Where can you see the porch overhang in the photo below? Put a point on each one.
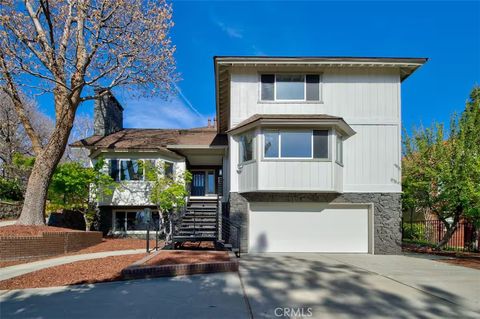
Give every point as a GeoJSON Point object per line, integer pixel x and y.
{"type": "Point", "coordinates": [201, 155]}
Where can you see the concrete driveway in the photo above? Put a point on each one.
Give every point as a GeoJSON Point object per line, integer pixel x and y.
{"type": "Point", "coordinates": [277, 286]}
{"type": "Point", "coordinates": [200, 296]}
{"type": "Point", "coordinates": [353, 286]}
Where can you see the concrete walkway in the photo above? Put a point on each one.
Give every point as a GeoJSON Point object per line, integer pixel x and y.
{"type": "Point", "coordinates": [7, 222]}
{"type": "Point", "coordinates": [18, 270]}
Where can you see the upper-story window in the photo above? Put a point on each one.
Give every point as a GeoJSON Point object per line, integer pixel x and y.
{"type": "Point", "coordinates": [131, 170]}
{"type": "Point", "coordinates": [246, 147]}
{"type": "Point", "coordinates": [168, 169]}
{"type": "Point", "coordinates": [290, 87]}
{"type": "Point", "coordinates": [308, 144]}
{"type": "Point", "coordinates": [135, 169]}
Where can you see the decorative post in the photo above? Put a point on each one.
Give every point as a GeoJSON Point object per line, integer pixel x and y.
{"type": "Point", "coordinates": [148, 214]}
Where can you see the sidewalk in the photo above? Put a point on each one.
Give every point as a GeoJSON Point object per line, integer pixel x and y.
{"type": "Point", "coordinates": [18, 270]}
{"type": "Point", "coordinates": [7, 222]}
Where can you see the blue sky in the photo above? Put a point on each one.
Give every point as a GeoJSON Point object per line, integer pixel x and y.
{"type": "Point", "coordinates": [446, 32]}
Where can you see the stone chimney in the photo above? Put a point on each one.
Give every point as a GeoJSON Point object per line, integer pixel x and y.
{"type": "Point", "coordinates": [107, 114]}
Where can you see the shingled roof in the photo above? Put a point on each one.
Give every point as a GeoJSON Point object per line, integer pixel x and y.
{"type": "Point", "coordinates": [154, 139]}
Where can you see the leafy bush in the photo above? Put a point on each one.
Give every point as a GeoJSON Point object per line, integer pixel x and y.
{"type": "Point", "coordinates": [413, 231]}
{"type": "Point", "coordinates": [10, 189]}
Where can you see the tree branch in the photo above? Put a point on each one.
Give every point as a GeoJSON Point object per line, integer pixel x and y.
{"type": "Point", "coordinates": [12, 92]}
{"type": "Point", "coordinates": [49, 53]}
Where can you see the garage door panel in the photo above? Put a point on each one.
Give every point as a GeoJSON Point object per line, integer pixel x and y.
{"type": "Point", "coordinates": [316, 228]}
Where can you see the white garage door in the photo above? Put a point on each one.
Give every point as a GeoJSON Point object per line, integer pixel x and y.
{"type": "Point", "coordinates": [308, 227]}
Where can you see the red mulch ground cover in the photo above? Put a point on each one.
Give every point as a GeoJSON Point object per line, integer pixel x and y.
{"type": "Point", "coordinates": [80, 272]}
{"type": "Point", "coordinates": [108, 244]}
{"type": "Point", "coordinates": [22, 231]}
{"type": "Point", "coordinates": [463, 261]}
{"type": "Point", "coordinates": [176, 257]}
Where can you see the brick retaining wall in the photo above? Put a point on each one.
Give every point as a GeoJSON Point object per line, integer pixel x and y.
{"type": "Point", "coordinates": [47, 244]}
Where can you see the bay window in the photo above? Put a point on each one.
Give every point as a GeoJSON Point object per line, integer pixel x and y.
{"type": "Point", "coordinates": [131, 170]}
{"type": "Point", "coordinates": [303, 144]}
{"type": "Point", "coordinates": [339, 146]}
{"type": "Point", "coordinates": [246, 147]}
{"type": "Point", "coordinates": [290, 87]}
{"type": "Point", "coordinates": [136, 169]}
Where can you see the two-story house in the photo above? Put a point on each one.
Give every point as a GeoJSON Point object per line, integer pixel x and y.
{"type": "Point", "coordinates": [305, 155]}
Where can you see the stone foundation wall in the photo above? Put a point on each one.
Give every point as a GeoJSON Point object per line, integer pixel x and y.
{"type": "Point", "coordinates": [10, 210]}
{"type": "Point", "coordinates": [387, 213]}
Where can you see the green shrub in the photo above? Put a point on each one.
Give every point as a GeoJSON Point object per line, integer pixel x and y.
{"type": "Point", "coordinates": [413, 231]}
{"type": "Point", "coordinates": [10, 189]}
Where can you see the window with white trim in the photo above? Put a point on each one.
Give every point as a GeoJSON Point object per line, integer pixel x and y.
{"type": "Point", "coordinates": [246, 147]}
{"type": "Point", "coordinates": [134, 221]}
{"type": "Point", "coordinates": [290, 87]}
{"type": "Point", "coordinates": [135, 169]}
{"type": "Point", "coordinates": [301, 144]}
{"type": "Point", "coordinates": [131, 170]}
{"type": "Point", "coordinates": [339, 147]}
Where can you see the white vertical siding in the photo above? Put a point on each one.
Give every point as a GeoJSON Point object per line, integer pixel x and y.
{"type": "Point", "coordinates": [372, 160]}
{"type": "Point", "coordinates": [233, 155]}
{"type": "Point", "coordinates": [248, 177]}
{"type": "Point", "coordinates": [226, 175]}
{"type": "Point", "coordinates": [357, 95]}
{"type": "Point", "coordinates": [369, 101]}
{"type": "Point", "coordinates": [295, 176]}
{"type": "Point", "coordinates": [338, 178]}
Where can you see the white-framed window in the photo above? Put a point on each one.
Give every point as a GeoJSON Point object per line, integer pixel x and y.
{"type": "Point", "coordinates": [133, 220]}
{"type": "Point", "coordinates": [299, 144]}
{"type": "Point", "coordinates": [131, 170]}
{"type": "Point", "coordinates": [290, 87]}
{"type": "Point", "coordinates": [135, 169]}
{"type": "Point", "coordinates": [168, 169]}
{"type": "Point", "coordinates": [339, 149]}
{"type": "Point", "coordinates": [246, 147]}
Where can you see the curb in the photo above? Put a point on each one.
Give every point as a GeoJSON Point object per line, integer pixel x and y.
{"type": "Point", "coordinates": [136, 271]}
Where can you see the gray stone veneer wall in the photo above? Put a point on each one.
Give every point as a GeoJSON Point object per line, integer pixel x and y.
{"type": "Point", "coordinates": [387, 213]}
{"type": "Point", "coordinates": [107, 114]}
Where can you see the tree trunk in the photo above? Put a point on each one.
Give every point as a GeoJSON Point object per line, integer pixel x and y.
{"type": "Point", "coordinates": [33, 211]}
{"type": "Point", "coordinates": [448, 234]}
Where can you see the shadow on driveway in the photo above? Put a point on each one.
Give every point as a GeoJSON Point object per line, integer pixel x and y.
{"type": "Point", "coordinates": [330, 288]}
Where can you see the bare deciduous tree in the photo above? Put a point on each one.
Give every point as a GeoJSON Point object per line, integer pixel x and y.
{"type": "Point", "coordinates": [82, 128]}
{"type": "Point", "coordinates": [13, 138]}
{"type": "Point", "coordinates": [69, 48]}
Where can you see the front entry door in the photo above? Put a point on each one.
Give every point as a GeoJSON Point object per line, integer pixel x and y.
{"type": "Point", "coordinates": [203, 183]}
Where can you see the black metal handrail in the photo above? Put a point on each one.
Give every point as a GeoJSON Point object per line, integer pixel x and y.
{"type": "Point", "coordinates": [231, 233]}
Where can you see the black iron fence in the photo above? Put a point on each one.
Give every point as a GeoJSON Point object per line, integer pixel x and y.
{"type": "Point", "coordinates": [431, 232]}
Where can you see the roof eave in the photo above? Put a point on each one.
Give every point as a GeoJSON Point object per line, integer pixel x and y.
{"type": "Point", "coordinates": [193, 146]}
{"type": "Point", "coordinates": [339, 123]}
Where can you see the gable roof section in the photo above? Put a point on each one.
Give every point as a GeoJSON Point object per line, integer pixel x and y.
{"type": "Point", "coordinates": [222, 65]}
{"type": "Point", "coordinates": [154, 139]}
